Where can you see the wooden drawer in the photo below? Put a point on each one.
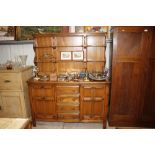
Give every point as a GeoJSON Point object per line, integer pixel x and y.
{"type": "Point", "coordinates": [10, 81]}
{"type": "Point", "coordinates": [68, 115]}
{"type": "Point", "coordinates": [67, 89]}
{"type": "Point", "coordinates": [45, 116]}
{"type": "Point", "coordinates": [42, 86]}
{"type": "Point", "coordinates": [68, 99]}
{"type": "Point", "coordinates": [67, 108]}
{"type": "Point", "coordinates": [42, 90]}
{"type": "Point", "coordinates": [43, 98]}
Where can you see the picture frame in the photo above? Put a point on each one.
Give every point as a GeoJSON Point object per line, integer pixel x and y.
{"type": "Point", "coordinates": [77, 55]}
{"type": "Point", "coordinates": [65, 55]}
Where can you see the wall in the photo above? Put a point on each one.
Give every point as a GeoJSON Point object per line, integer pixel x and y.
{"type": "Point", "coordinates": [9, 50]}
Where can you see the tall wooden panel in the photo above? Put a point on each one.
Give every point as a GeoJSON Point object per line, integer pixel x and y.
{"type": "Point", "coordinates": [131, 48]}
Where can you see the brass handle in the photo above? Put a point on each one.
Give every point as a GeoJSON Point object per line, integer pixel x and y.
{"type": "Point", "coordinates": [7, 81]}
{"type": "Point", "coordinates": [98, 99]}
{"type": "Point", "coordinates": [87, 99]}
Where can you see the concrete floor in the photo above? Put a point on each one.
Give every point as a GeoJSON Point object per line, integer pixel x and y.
{"type": "Point", "coordinates": [61, 125]}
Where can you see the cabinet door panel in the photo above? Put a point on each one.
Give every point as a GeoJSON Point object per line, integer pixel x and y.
{"type": "Point", "coordinates": [99, 91]}
{"type": "Point", "coordinates": [86, 91]}
{"type": "Point", "coordinates": [11, 104]}
{"type": "Point", "coordinates": [98, 109]}
{"type": "Point", "coordinates": [42, 92]}
{"type": "Point", "coordinates": [96, 40]}
{"type": "Point", "coordinates": [86, 111]}
{"type": "Point", "coordinates": [130, 42]}
{"type": "Point", "coordinates": [92, 105]}
{"type": "Point", "coordinates": [126, 90]}
{"type": "Point", "coordinates": [44, 107]}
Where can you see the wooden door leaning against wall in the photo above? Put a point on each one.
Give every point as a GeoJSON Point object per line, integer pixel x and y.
{"type": "Point", "coordinates": [130, 52]}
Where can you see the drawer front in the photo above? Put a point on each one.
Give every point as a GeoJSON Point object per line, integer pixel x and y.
{"type": "Point", "coordinates": [67, 108]}
{"type": "Point", "coordinates": [42, 86]}
{"type": "Point", "coordinates": [10, 81]}
{"type": "Point", "coordinates": [68, 116]}
{"type": "Point", "coordinates": [68, 99]}
{"type": "Point", "coordinates": [90, 117]}
{"type": "Point", "coordinates": [45, 116]}
{"type": "Point", "coordinates": [67, 89]}
{"type": "Point", "coordinates": [42, 90]}
{"type": "Point", "coordinates": [43, 98]}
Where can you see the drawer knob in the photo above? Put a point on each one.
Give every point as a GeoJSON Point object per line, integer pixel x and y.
{"type": "Point", "coordinates": [7, 81]}
{"type": "Point", "coordinates": [0, 108]}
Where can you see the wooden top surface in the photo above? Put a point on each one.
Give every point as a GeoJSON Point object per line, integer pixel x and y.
{"type": "Point", "coordinates": [21, 69]}
{"type": "Point", "coordinates": [66, 82]}
{"type": "Point", "coordinates": [70, 34]}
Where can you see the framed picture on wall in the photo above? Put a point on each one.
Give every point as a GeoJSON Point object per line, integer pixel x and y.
{"type": "Point", "coordinates": [77, 55]}
{"type": "Point", "coordinates": [66, 55]}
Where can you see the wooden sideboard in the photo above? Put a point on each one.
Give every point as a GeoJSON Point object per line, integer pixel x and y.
{"type": "Point", "coordinates": [69, 101]}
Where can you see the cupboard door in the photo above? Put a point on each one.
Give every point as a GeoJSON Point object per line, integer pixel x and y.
{"type": "Point", "coordinates": [92, 105]}
{"type": "Point", "coordinates": [130, 50]}
{"type": "Point", "coordinates": [43, 101]}
{"type": "Point", "coordinates": [44, 108]}
{"type": "Point", "coordinates": [86, 102]}
{"type": "Point", "coordinates": [98, 104]}
{"type": "Point", "coordinates": [11, 104]}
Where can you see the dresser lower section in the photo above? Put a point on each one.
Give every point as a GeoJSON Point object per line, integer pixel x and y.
{"type": "Point", "coordinates": [66, 102]}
